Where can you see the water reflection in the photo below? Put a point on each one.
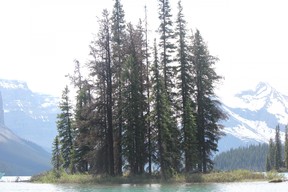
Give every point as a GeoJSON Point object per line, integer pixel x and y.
{"type": "Point", "coordinates": [222, 187]}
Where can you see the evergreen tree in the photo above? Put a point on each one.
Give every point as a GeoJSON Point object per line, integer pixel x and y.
{"type": "Point", "coordinates": [81, 125]}
{"type": "Point", "coordinates": [271, 155]}
{"type": "Point", "coordinates": [57, 159]}
{"type": "Point", "coordinates": [208, 107]}
{"type": "Point", "coordinates": [253, 157]}
{"type": "Point", "coordinates": [101, 70]}
{"type": "Point", "coordinates": [169, 70]}
{"type": "Point", "coordinates": [118, 52]}
{"type": "Point", "coordinates": [149, 131]}
{"type": "Point", "coordinates": [64, 126]}
{"type": "Point", "coordinates": [166, 43]}
{"type": "Point", "coordinates": [268, 164]}
{"type": "Point", "coordinates": [163, 122]}
{"type": "Point", "coordinates": [278, 155]}
{"type": "Point", "coordinates": [134, 125]}
{"type": "Point", "coordinates": [286, 147]}
{"type": "Point", "coordinates": [185, 86]}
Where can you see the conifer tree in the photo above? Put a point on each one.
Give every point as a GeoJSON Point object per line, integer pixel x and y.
{"type": "Point", "coordinates": [209, 112]}
{"type": "Point", "coordinates": [169, 74]}
{"type": "Point", "coordinates": [185, 86]}
{"type": "Point", "coordinates": [81, 124]}
{"type": "Point", "coordinates": [118, 52]}
{"type": "Point", "coordinates": [148, 87]}
{"type": "Point", "coordinates": [271, 155]}
{"type": "Point", "coordinates": [166, 37]}
{"type": "Point", "coordinates": [64, 126]}
{"type": "Point", "coordinates": [167, 154]}
{"type": "Point", "coordinates": [286, 147]}
{"type": "Point", "coordinates": [57, 159]}
{"type": "Point", "coordinates": [278, 150]}
{"type": "Point", "coordinates": [268, 164]}
{"type": "Point", "coordinates": [101, 69]}
{"type": "Point", "coordinates": [134, 127]}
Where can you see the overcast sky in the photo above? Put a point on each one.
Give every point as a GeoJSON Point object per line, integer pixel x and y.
{"type": "Point", "coordinates": [39, 39]}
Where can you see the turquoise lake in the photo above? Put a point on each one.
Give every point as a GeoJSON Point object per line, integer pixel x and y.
{"type": "Point", "coordinates": [219, 187]}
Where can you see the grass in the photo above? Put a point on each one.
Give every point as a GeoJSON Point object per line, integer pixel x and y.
{"type": "Point", "coordinates": [229, 176]}
{"type": "Point", "coordinates": [213, 177]}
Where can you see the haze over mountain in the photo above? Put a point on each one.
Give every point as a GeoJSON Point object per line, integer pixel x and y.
{"type": "Point", "coordinates": [20, 157]}
{"type": "Point", "coordinates": [253, 116]}
{"type": "Point", "coordinates": [30, 115]}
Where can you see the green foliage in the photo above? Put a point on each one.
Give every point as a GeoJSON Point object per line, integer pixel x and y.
{"type": "Point", "coordinates": [250, 158]}
{"type": "Point", "coordinates": [276, 152]}
{"type": "Point", "coordinates": [209, 112]}
{"type": "Point", "coordinates": [64, 126]}
{"type": "Point", "coordinates": [129, 116]}
{"type": "Point", "coordinates": [286, 147]}
{"type": "Point", "coordinates": [57, 159]}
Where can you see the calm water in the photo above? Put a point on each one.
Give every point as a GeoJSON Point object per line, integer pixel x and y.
{"type": "Point", "coordinates": [224, 187]}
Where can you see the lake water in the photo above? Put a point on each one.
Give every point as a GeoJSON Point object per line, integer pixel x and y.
{"type": "Point", "coordinates": [217, 187]}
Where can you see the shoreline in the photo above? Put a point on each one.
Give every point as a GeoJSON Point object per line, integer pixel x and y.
{"type": "Point", "coordinates": [213, 177]}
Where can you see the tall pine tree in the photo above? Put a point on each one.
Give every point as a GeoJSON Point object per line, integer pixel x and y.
{"type": "Point", "coordinates": [208, 107]}
{"type": "Point", "coordinates": [102, 109]}
{"type": "Point", "coordinates": [278, 150]}
{"type": "Point", "coordinates": [186, 87]}
{"type": "Point", "coordinates": [286, 147]}
{"type": "Point", "coordinates": [134, 125]}
{"type": "Point", "coordinates": [166, 43]}
{"type": "Point", "coordinates": [118, 26]}
{"type": "Point", "coordinates": [64, 126]}
{"type": "Point", "coordinates": [162, 116]}
{"type": "Point", "coordinates": [57, 159]}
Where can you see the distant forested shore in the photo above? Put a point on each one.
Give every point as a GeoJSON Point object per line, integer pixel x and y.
{"type": "Point", "coordinates": [261, 157]}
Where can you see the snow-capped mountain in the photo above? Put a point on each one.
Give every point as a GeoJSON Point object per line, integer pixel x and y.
{"type": "Point", "coordinates": [30, 115]}
{"type": "Point", "coordinates": [253, 116]}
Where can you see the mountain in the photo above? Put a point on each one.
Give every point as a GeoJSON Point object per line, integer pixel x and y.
{"type": "Point", "coordinates": [18, 156]}
{"type": "Point", "coordinates": [30, 115]}
{"type": "Point", "coordinates": [253, 116]}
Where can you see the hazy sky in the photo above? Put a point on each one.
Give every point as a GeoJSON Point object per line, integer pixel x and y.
{"type": "Point", "coordinates": [39, 39]}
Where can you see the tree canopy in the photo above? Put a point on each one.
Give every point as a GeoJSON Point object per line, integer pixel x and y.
{"type": "Point", "coordinates": [135, 118]}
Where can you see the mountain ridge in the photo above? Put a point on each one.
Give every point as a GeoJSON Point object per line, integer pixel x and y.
{"type": "Point", "coordinates": [19, 156]}
{"type": "Point", "coordinates": [30, 115]}
{"type": "Point", "coordinates": [253, 116]}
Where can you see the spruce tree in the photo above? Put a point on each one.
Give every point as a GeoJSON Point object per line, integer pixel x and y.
{"type": "Point", "coordinates": [278, 150]}
{"type": "Point", "coordinates": [166, 43]}
{"type": "Point", "coordinates": [186, 84]}
{"type": "Point", "coordinates": [81, 125]}
{"type": "Point", "coordinates": [134, 125]}
{"type": "Point", "coordinates": [268, 164]}
{"type": "Point", "coordinates": [118, 38]}
{"type": "Point", "coordinates": [64, 126]}
{"type": "Point", "coordinates": [169, 71]}
{"type": "Point", "coordinates": [271, 154]}
{"type": "Point", "coordinates": [209, 112]}
{"type": "Point", "coordinates": [286, 147]}
{"type": "Point", "coordinates": [57, 159]}
{"type": "Point", "coordinates": [163, 122]}
{"type": "Point", "coordinates": [101, 70]}
{"type": "Point", "coordinates": [148, 87]}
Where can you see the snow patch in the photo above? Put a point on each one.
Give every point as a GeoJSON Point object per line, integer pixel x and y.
{"type": "Point", "coordinates": [13, 84]}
